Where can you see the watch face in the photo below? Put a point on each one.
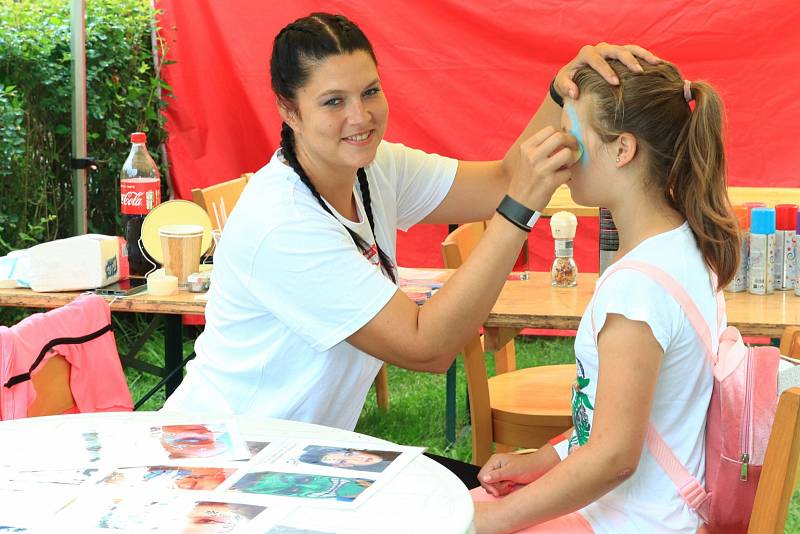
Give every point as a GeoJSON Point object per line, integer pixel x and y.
{"type": "Point", "coordinates": [534, 218]}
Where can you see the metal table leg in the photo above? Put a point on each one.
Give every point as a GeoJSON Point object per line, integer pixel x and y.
{"type": "Point", "coordinates": [173, 350]}
{"type": "Point", "coordinates": [450, 405]}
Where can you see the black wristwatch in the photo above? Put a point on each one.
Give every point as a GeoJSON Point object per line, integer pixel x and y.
{"type": "Point", "coordinates": [517, 214]}
{"type": "Point", "coordinates": [554, 94]}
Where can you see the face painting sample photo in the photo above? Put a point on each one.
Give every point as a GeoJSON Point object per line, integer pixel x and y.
{"type": "Point", "coordinates": [302, 485]}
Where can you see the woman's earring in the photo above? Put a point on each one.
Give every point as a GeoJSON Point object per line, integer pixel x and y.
{"type": "Point", "coordinates": [617, 160]}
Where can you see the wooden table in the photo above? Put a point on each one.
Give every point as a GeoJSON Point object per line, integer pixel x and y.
{"type": "Point", "coordinates": [422, 497]}
{"type": "Point", "coordinates": [562, 201]}
{"type": "Point", "coordinates": [534, 303]}
{"type": "Point", "coordinates": [170, 308]}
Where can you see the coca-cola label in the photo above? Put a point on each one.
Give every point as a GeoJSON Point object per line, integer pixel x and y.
{"type": "Point", "coordinates": [139, 195]}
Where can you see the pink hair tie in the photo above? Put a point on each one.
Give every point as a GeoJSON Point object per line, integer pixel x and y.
{"type": "Point", "coordinates": [687, 91]}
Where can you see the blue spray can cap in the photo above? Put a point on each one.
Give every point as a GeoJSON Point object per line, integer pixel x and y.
{"type": "Point", "coordinates": [762, 221]}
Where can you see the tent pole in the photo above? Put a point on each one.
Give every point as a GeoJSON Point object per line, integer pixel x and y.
{"type": "Point", "coordinates": [162, 148]}
{"type": "Point", "coordinates": [78, 49]}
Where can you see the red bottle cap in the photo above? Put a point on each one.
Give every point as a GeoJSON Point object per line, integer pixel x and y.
{"type": "Point", "coordinates": [139, 137]}
{"type": "Point", "coordinates": [785, 216]}
{"type": "Point", "coordinates": [743, 216]}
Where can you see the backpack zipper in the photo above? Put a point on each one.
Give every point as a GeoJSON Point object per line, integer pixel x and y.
{"type": "Point", "coordinates": [747, 429]}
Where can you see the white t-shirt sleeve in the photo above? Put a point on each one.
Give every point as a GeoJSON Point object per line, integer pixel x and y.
{"type": "Point", "coordinates": [314, 280]}
{"type": "Point", "coordinates": [639, 298]}
{"type": "Point", "coordinates": [422, 181]}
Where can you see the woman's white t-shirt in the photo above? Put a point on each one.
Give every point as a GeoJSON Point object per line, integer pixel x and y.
{"type": "Point", "coordinates": [649, 501]}
{"type": "Point", "coordinates": [289, 287]}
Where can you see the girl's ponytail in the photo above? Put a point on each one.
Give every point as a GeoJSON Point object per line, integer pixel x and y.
{"type": "Point", "coordinates": [696, 183]}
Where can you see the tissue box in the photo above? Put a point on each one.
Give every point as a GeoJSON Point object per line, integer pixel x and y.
{"type": "Point", "coordinates": [82, 262]}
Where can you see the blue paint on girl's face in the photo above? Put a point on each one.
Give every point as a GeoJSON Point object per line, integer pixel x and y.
{"type": "Point", "coordinates": [576, 130]}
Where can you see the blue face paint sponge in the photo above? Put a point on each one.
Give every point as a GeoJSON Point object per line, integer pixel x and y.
{"type": "Point", "coordinates": [575, 130]}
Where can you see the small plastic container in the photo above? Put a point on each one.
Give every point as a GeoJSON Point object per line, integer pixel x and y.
{"type": "Point", "coordinates": [564, 272]}
{"type": "Point", "coordinates": [198, 282]}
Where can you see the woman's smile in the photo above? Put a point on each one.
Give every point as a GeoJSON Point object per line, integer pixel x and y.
{"type": "Point", "coordinates": [359, 139]}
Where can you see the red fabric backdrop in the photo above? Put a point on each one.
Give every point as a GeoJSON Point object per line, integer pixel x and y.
{"type": "Point", "coordinates": [463, 78]}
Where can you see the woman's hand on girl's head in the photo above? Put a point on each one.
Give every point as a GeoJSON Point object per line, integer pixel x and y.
{"type": "Point", "coordinates": [543, 165]}
{"type": "Point", "coordinates": [595, 57]}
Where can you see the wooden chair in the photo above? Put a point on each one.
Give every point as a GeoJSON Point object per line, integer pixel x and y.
{"type": "Point", "coordinates": [779, 474]}
{"type": "Point", "coordinates": [51, 382]}
{"type": "Point", "coordinates": [218, 200]}
{"type": "Point", "coordinates": [456, 247]}
{"type": "Point", "coordinates": [518, 408]}
{"type": "Point", "coordinates": [790, 342]}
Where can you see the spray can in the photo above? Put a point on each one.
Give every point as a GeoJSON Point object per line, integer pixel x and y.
{"type": "Point", "coordinates": [609, 240]}
{"type": "Point", "coordinates": [797, 257]}
{"type": "Point", "coordinates": [785, 266]}
{"type": "Point", "coordinates": [739, 282]}
{"type": "Point", "coordinates": [761, 260]}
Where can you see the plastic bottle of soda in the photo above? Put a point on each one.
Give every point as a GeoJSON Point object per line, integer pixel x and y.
{"type": "Point", "coordinates": [140, 192]}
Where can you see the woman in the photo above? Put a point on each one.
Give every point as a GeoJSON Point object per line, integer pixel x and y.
{"type": "Point", "coordinates": [659, 165]}
{"type": "Point", "coordinates": [304, 306]}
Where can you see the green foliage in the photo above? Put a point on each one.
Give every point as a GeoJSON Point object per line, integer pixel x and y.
{"type": "Point", "coordinates": [122, 96]}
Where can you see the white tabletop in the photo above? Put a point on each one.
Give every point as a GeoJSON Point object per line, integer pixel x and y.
{"type": "Point", "coordinates": [423, 497]}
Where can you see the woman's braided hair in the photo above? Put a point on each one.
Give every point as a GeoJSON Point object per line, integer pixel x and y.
{"type": "Point", "coordinates": [296, 49]}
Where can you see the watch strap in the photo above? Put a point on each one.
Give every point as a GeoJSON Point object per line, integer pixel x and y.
{"type": "Point", "coordinates": [554, 94]}
{"type": "Point", "coordinates": [518, 214]}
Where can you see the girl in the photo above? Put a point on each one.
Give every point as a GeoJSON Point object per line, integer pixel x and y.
{"type": "Point", "coordinates": [653, 154]}
{"type": "Point", "coordinates": [304, 306]}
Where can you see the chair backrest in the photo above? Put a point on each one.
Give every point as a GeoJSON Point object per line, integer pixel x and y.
{"type": "Point", "coordinates": [790, 342]}
{"type": "Point", "coordinates": [460, 243]}
{"type": "Point", "coordinates": [219, 199]}
{"type": "Point", "coordinates": [51, 383]}
{"type": "Point", "coordinates": [779, 473]}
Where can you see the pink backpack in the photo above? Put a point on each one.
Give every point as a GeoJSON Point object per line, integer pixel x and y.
{"type": "Point", "coordinates": [740, 416]}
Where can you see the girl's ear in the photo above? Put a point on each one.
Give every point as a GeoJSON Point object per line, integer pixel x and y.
{"type": "Point", "coordinates": [626, 147]}
{"type": "Point", "coordinates": [288, 113]}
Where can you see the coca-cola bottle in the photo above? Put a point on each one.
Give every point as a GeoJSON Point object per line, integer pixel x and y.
{"type": "Point", "coordinates": [140, 192]}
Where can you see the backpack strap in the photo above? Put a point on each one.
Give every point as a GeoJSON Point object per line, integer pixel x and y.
{"type": "Point", "coordinates": [688, 486]}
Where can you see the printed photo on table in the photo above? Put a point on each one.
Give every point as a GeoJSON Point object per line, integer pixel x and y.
{"type": "Point", "coordinates": [168, 514]}
{"type": "Point", "coordinates": [194, 441]}
{"type": "Point", "coordinates": [346, 458]}
{"type": "Point", "coordinates": [302, 485]}
{"type": "Point", "coordinates": [169, 477]}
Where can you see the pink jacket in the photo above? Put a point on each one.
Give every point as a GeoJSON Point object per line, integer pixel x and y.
{"type": "Point", "coordinates": [81, 331]}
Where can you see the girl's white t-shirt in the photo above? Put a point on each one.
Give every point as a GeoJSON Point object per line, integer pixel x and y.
{"type": "Point", "coordinates": [289, 287]}
{"type": "Point", "coordinates": [649, 501]}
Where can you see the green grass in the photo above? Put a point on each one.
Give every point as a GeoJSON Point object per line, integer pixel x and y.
{"type": "Point", "coordinates": [416, 413]}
